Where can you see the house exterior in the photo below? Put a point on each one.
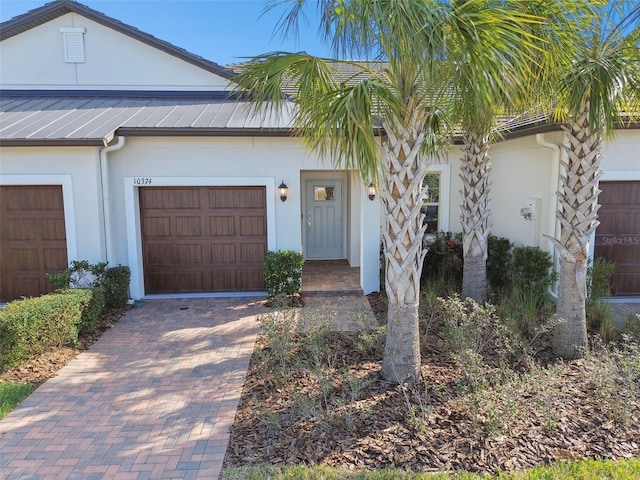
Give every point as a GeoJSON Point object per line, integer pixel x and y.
{"type": "Point", "coordinates": [116, 146]}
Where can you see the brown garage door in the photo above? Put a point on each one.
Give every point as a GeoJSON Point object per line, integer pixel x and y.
{"type": "Point", "coordinates": [32, 239]}
{"type": "Point", "coordinates": [203, 239]}
{"type": "Point", "coordinates": [618, 235]}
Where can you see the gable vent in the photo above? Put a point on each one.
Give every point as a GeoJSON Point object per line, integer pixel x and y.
{"type": "Point", "coordinates": [73, 40]}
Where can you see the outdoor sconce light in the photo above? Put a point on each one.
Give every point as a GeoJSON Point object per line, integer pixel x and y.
{"type": "Point", "coordinates": [283, 190]}
{"type": "Point", "coordinates": [371, 191]}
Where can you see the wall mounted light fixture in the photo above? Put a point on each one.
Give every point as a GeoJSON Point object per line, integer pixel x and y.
{"type": "Point", "coordinates": [371, 191]}
{"type": "Point", "coordinates": [283, 190]}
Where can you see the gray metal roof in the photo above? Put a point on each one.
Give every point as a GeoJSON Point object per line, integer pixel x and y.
{"type": "Point", "coordinates": [94, 118]}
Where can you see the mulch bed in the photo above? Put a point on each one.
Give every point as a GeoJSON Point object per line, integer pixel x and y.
{"type": "Point", "coordinates": [430, 426]}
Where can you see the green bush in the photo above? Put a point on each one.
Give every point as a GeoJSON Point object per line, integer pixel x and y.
{"type": "Point", "coordinates": [92, 305]}
{"type": "Point", "coordinates": [82, 274]}
{"type": "Point", "coordinates": [32, 326]}
{"type": "Point", "coordinates": [531, 268]}
{"type": "Point", "coordinates": [116, 286]}
{"type": "Point", "coordinates": [283, 272]}
{"type": "Point", "coordinates": [599, 276]}
{"type": "Point", "coordinates": [443, 260]}
{"type": "Point", "coordinates": [499, 259]}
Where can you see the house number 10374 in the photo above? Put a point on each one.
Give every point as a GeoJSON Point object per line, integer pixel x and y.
{"type": "Point", "coordinates": [142, 181]}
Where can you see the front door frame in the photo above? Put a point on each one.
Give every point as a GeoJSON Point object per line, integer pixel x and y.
{"type": "Point", "coordinates": [308, 178]}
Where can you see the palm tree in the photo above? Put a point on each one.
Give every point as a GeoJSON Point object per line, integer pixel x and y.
{"type": "Point", "coordinates": [409, 98]}
{"type": "Point", "coordinates": [595, 89]}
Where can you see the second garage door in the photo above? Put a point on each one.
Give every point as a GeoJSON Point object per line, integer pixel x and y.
{"type": "Point", "coordinates": [203, 239]}
{"type": "Point", "coordinates": [618, 235]}
{"type": "Point", "coordinates": [33, 239]}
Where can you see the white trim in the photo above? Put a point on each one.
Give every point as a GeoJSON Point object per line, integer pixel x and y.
{"type": "Point", "coordinates": [444, 206]}
{"type": "Point", "coordinates": [620, 175]}
{"type": "Point", "coordinates": [132, 213]}
{"type": "Point", "coordinates": [67, 201]}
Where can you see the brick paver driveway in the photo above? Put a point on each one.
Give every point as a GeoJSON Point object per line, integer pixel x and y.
{"type": "Point", "coordinates": [154, 398]}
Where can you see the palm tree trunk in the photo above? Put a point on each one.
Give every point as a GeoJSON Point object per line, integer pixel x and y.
{"type": "Point", "coordinates": [475, 216]}
{"type": "Point", "coordinates": [578, 215]}
{"type": "Point", "coordinates": [402, 239]}
{"type": "Point", "coordinates": [571, 336]}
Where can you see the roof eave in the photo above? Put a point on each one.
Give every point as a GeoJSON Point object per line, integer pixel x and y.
{"type": "Point", "coordinates": [53, 142]}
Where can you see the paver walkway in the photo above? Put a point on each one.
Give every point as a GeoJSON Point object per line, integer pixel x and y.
{"type": "Point", "coordinates": [154, 398]}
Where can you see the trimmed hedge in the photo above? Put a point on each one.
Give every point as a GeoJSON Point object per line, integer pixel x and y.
{"type": "Point", "coordinates": [116, 285]}
{"type": "Point", "coordinates": [33, 326]}
{"type": "Point", "coordinates": [283, 272]}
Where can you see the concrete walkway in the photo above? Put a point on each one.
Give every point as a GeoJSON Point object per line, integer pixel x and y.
{"type": "Point", "coordinates": [154, 398]}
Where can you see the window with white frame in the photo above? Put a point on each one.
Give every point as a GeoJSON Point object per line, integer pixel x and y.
{"type": "Point", "coordinates": [431, 207]}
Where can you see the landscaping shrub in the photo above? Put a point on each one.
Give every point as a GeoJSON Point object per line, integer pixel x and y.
{"type": "Point", "coordinates": [283, 272]}
{"type": "Point", "coordinates": [532, 269]}
{"type": "Point", "coordinates": [92, 305]}
{"type": "Point", "coordinates": [32, 326]}
{"type": "Point", "coordinates": [443, 259]}
{"type": "Point", "coordinates": [80, 274]}
{"type": "Point", "coordinates": [599, 275]}
{"type": "Point", "coordinates": [116, 286]}
{"type": "Point", "coordinates": [499, 259]}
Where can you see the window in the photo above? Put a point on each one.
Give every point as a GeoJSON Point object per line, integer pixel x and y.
{"type": "Point", "coordinates": [322, 194]}
{"type": "Point", "coordinates": [431, 207]}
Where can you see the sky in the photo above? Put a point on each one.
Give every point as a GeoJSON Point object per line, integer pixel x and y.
{"type": "Point", "coordinates": [222, 31]}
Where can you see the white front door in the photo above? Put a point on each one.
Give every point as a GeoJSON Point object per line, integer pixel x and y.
{"type": "Point", "coordinates": [324, 234]}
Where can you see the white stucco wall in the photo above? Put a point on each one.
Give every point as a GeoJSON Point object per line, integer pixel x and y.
{"type": "Point", "coordinates": [525, 172]}
{"type": "Point", "coordinates": [221, 161]}
{"type": "Point", "coordinates": [621, 159]}
{"type": "Point", "coordinates": [77, 170]}
{"type": "Point", "coordinates": [35, 60]}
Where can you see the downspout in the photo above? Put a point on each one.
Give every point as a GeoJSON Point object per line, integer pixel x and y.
{"type": "Point", "coordinates": [555, 187]}
{"type": "Point", "coordinates": [106, 197]}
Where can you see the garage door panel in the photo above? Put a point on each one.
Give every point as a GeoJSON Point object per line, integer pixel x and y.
{"type": "Point", "coordinates": [170, 198]}
{"type": "Point", "coordinates": [157, 227]}
{"type": "Point", "coordinates": [188, 227]}
{"type": "Point", "coordinates": [158, 254]}
{"type": "Point", "coordinates": [53, 258]}
{"type": "Point", "coordinates": [248, 280]}
{"type": "Point", "coordinates": [223, 226]}
{"type": "Point", "coordinates": [24, 259]}
{"type": "Point", "coordinates": [53, 230]}
{"type": "Point", "coordinates": [21, 229]}
{"type": "Point", "coordinates": [159, 282]}
{"type": "Point", "coordinates": [187, 253]}
{"type": "Point", "coordinates": [33, 239]}
{"type": "Point", "coordinates": [252, 253]}
{"type": "Point", "coordinates": [225, 238]}
{"type": "Point", "coordinates": [223, 280]}
{"type": "Point", "coordinates": [222, 253]}
{"type": "Point", "coordinates": [253, 225]}
{"type": "Point", "coordinates": [188, 281]}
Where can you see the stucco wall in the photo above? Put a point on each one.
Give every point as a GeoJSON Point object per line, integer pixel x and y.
{"type": "Point", "coordinates": [35, 60]}
{"type": "Point", "coordinates": [77, 170]}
